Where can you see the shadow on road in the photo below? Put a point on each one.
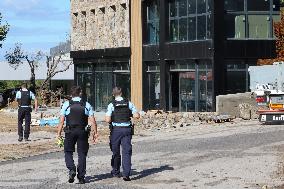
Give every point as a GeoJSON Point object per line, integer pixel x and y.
{"type": "Point", "coordinates": [135, 175]}
{"type": "Point", "coordinates": [150, 171]}
{"type": "Point", "coordinates": [95, 178]}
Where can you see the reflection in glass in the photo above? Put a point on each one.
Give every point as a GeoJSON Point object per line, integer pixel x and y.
{"type": "Point", "coordinates": [236, 81]}
{"type": "Point", "coordinates": [192, 28]}
{"type": "Point", "coordinates": [153, 32]}
{"type": "Point", "coordinates": [235, 26]}
{"type": "Point", "coordinates": [201, 27]}
{"type": "Point", "coordinates": [187, 91]}
{"type": "Point", "coordinates": [173, 9]}
{"type": "Point", "coordinates": [201, 6]}
{"type": "Point", "coordinates": [191, 6]}
{"type": "Point", "coordinates": [183, 29]}
{"type": "Point", "coordinates": [174, 30]}
{"type": "Point", "coordinates": [189, 20]}
{"type": "Point", "coordinates": [258, 26]}
{"type": "Point", "coordinates": [276, 18]}
{"type": "Point", "coordinates": [182, 7]}
{"type": "Point", "coordinates": [154, 90]}
{"type": "Point", "coordinates": [152, 23]}
{"type": "Point", "coordinates": [122, 80]}
{"type": "Point", "coordinates": [103, 89]}
{"type": "Point", "coordinates": [209, 29]}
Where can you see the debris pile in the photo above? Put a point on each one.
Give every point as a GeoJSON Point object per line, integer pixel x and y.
{"type": "Point", "coordinates": [159, 119]}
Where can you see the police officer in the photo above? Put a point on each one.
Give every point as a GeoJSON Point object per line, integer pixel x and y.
{"type": "Point", "coordinates": [119, 114]}
{"type": "Point", "coordinates": [24, 98]}
{"type": "Point", "coordinates": [77, 114]}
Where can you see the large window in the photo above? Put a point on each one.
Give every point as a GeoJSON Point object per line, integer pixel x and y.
{"type": "Point", "coordinates": [251, 19]}
{"type": "Point", "coordinates": [189, 20]}
{"type": "Point", "coordinates": [97, 81]}
{"type": "Point", "coordinates": [152, 23]}
{"type": "Point", "coordinates": [238, 75]}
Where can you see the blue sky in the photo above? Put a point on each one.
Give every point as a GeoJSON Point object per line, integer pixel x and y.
{"type": "Point", "coordinates": [37, 24]}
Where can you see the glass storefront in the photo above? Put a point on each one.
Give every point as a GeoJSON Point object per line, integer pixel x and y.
{"type": "Point", "coordinates": [98, 79]}
{"type": "Point", "coordinates": [251, 19]}
{"type": "Point", "coordinates": [191, 85]}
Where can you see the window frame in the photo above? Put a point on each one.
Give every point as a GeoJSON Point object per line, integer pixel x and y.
{"type": "Point", "coordinates": [177, 18]}
{"type": "Point", "coordinates": [248, 13]}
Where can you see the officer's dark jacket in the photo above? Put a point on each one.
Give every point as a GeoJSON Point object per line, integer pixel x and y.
{"type": "Point", "coordinates": [25, 99]}
{"type": "Point", "coordinates": [121, 113]}
{"type": "Point", "coordinates": [77, 116]}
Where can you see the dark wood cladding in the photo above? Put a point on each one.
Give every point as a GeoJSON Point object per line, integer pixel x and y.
{"type": "Point", "coordinates": [189, 50]}
{"type": "Point", "coordinates": [173, 51]}
{"type": "Point", "coordinates": [150, 52]}
{"type": "Point", "coordinates": [102, 53]}
{"type": "Point", "coordinates": [250, 49]}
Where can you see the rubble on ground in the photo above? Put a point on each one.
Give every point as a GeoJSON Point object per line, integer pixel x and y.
{"type": "Point", "coordinates": [160, 119]}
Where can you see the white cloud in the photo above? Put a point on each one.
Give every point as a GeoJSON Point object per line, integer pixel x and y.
{"type": "Point", "coordinates": [21, 4]}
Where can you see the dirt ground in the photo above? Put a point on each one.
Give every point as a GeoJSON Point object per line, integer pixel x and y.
{"type": "Point", "coordinates": [43, 139]}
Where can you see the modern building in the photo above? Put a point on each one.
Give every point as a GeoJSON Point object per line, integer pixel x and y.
{"type": "Point", "coordinates": [170, 54]}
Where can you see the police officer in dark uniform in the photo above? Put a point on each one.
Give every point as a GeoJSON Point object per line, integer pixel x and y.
{"type": "Point", "coordinates": [119, 114]}
{"type": "Point", "coordinates": [24, 98]}
{"type": "Point", "coordinates": [77, 113]}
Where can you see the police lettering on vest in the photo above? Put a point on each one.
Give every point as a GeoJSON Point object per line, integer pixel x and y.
{"type": "Point", "coordinates": [121, 113]}
{"type": "Point", "coordinates": [77, 116]}
{"type": "Point", "coordinates": [25, 98]}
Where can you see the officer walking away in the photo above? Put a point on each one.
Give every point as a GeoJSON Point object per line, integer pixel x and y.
{"type": "Point", "coordinates": [119, 114]}
{"type": "Point", "coordinates": [77, 114]}
{"type": "Point", "coordinates": [24, 98]}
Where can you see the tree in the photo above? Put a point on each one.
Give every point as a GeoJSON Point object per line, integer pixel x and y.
{"type": "Point", "coordinates": [279, 34]}
{"type": "Point", "coordinates": [17, 57]}
{"type": "Point", "coordinates": [3, 31]}
{"type": "Point", "coordinates": [55, 65]}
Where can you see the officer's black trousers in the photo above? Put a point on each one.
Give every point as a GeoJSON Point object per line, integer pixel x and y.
{"type": "Point", "coordinates": [79, 136]}
{"type": "Point", "coordinates": [24, 113]}
{"type": "Point", "coordinates": [121, 137]}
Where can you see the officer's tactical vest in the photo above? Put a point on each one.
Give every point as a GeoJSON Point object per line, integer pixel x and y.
{"type": "Point", "coordinates": [121, 113]}
{"type": "Point", "coordinates": [25, 98]}
{"type": "Point", "coordinates": [77, 116]}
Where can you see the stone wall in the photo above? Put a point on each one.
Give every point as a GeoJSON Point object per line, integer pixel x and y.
{"type": "Point", "coordinates": [99, 24]}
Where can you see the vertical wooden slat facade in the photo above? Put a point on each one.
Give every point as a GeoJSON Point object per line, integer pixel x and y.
{"type": "Point", "coordinates": [136, 54]}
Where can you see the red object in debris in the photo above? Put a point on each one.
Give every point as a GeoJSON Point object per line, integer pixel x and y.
{"type": "Point", "coordinates": [260, 99]}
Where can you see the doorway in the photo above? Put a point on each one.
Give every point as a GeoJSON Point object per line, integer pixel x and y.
{"type": "Point", "coordinates": [191, 86]}
{"type": "Point", "coordinates": [183, 91]}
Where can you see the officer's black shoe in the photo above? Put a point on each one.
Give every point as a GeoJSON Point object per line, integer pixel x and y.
{"type": "Point", "coordinates": [72, 175]}
{"type": "Point", "coordinates": [20, 139]}
{"type": "Point", "coordinates": [27, 139]}
{"type": "Point", "coordinates": [82, 181]}
{"type": "Point", "coordinates": [126, 179]}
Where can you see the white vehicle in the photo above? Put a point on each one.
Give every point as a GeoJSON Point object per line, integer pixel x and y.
{"type": "Point", "coordinates": [267, 83]}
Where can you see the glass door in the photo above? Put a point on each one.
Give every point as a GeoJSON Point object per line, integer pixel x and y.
{"type": "Point", "coordinates": [85, 80]}
{"type": "Point", "coordinates": [103, 90]}
{"type": "Point", "coordinates": [187, 91]}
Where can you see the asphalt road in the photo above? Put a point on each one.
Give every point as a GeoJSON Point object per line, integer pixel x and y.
{"type": "Point", "coordinates": [221, 157]}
